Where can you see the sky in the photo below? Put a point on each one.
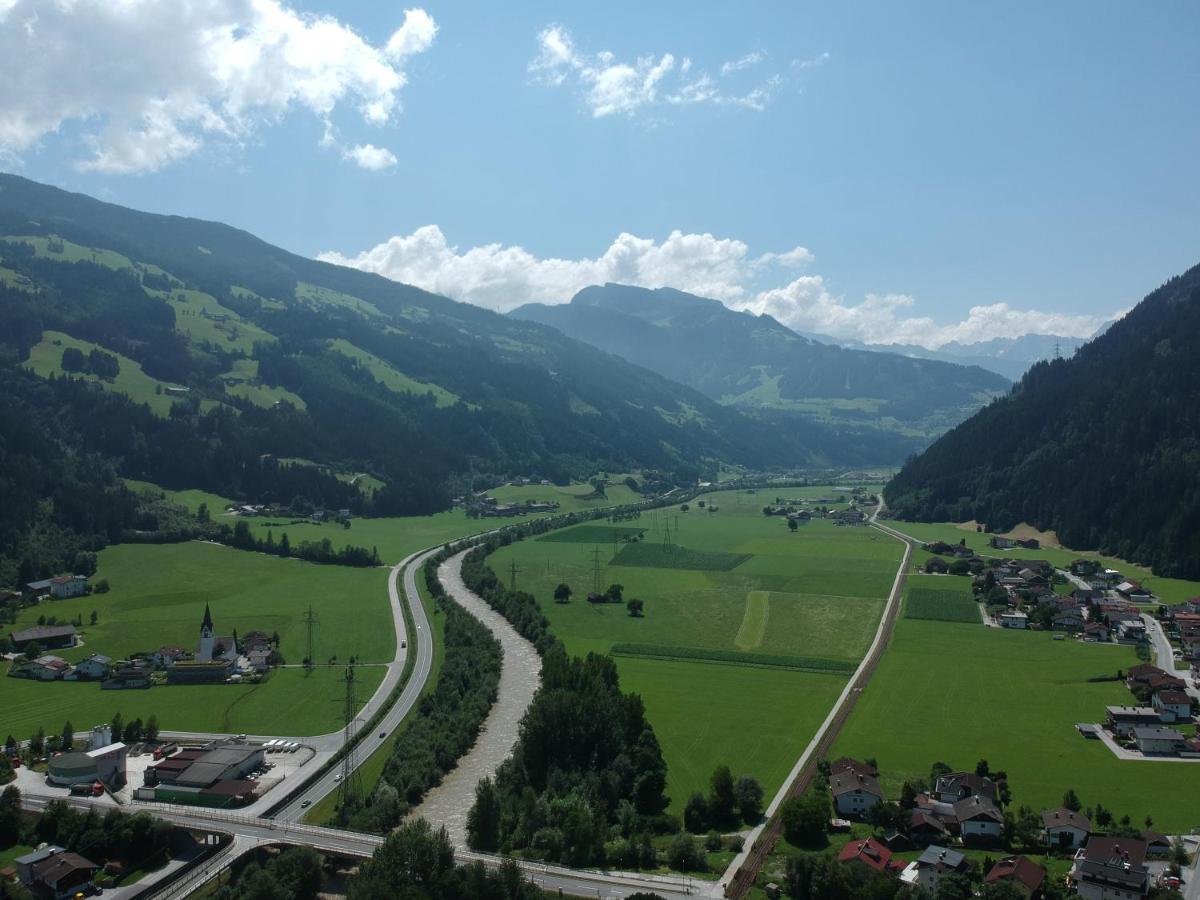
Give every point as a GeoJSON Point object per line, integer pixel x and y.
{"type": "Point", "coordinates": [891, 173]}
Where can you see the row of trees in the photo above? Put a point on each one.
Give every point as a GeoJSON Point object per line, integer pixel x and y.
{"type": "Point", "coordinates": [322, 551]}
{"type": "Point", "coordinates": [728, 803]}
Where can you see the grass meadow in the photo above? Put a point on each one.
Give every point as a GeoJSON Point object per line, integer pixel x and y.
{"type": "Point", "coordinates": [944, 692]}
{"type": "Point", "coordinates": [816, 593]}
{"type": "Point", "coordinates": [158, 596]}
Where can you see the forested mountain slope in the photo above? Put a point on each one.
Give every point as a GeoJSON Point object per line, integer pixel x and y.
{"type": "Point", "coordinates": [755, 362]}
{"type": "Point", "coordinates": [191, 354]}
{"type": "Point", "coordinates": [1103, 448]}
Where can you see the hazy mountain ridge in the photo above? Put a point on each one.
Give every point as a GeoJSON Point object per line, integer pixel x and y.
{"type": "Point", "coordinates": [755, 362]}
{"type": "Point", "coordinates": [1101, 448]}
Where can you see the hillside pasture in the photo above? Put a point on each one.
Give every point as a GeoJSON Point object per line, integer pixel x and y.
{"type": "Point", "coordinates": [941, 605]}
{"type": "Point", "coordinates": [593, 534]}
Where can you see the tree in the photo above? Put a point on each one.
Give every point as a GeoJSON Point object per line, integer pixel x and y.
{"type": "Point", "coordinates": [908, 795]}
{"type": "Point", "coordinates": [1001, 890]}
{"type": "Point", "coordinates": [684, 854]}
{"type": "Point", "coordinates": [635, 608]}
{"type": "Point", "coordinates": [202, 513]}
{"type": "Point", "coordinates": [938, 770]}
{"type": "Point", "coordinates": [793, 525]}
{"type": "Point", "coordinates": [483, 821]}
{"type": "Point", "coordinates": [982, 769]}
{"type": "Point", "coordinates": [684, 507]}
{"type": "Point", "coordinates": [695, 813]}
{"type": "Point", "coordinates": [117, 726]}
{"type": "Point", "coordinates": [67, 739]}
{"type": "Point", "coordinates": [954, 886]}
{"type": "Point", "coordinates": [614, 592]}
{"type": "Point", "coordinates": [1071, 800]}
{"type": "Point", "coordinates": [721, 797]}
{"type": "Point", "coordinates": [93, 618]}
{"type": "Point", "coordinates": [748, 794]}
{"type": "Point", "coordinates": [806, 819]}
{"type": "Point", "coordinates": [151, 730]}
{"type": "Point", "coordinates": [886, 816]}
{"type": "Point", "coordinates": [37, 743]}
{"type": "Point", "coordinates": [562, 593]}
{"type": "Point", "coordinates": [10, 815]}
{"type": "Point", "coordinates": [73, 360]}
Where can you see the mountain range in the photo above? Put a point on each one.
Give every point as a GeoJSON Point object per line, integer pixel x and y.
{"type": "Point", "coordinates": [1102, 448]}
{"type": "Point", "coordinates": [754, 362]}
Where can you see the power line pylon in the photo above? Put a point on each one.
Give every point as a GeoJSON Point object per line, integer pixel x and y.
{"type": "Point", "coordinates": [596, 569]}
{"type": "Point", "coordinates": [348, 787]}
{"type": "Point", "coordinates": [512, 575]}
{"type": "Point", "coordinates": [311, 621]}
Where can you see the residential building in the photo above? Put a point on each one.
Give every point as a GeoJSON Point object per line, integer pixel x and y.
{"type": "Point", "coordinates": [1068, 620]}
{"type": "Point", "coordinates": [1096, 631]}
{"type": "Point", "coordinates": [1122, 720]}
{"type": "Point", "coordinates": [955, 786]}
{"type": "Point", "coordinates": [979, 820]}
{"type": "Point", "coordinates": [1013, 619]}
{"type": "Point", "coordinates": [926, 828]}
{"type": "Point", "coordinates": [1173, 706]}
{"type": "Point", "coordinates": [94, 668]}
{"type": "Point", "coordinates": [1158, 740]}
{"type": "Point", "coordinates": [1019, 871]}
{"type": "Point", "coordinates": [868, 852]}
{"type": "Point", "coordinates": [44, 668]}
{"type": "Point", "coordinates": [847, 764]}
{"type": "Point", "coordinates": [166, 656]}
{"type": "Point", "coordinates": [1065, 828]}
{"type": "Point", "coordinates": [67, 586]}
{"type": "Point", "coordinates": [854, 793]}
{"type": "Point", "coordinates": [54, 872]}
{"type": "Point", "coordinates": [933, 865]}
{"type": "Point", "coordinates": [1111, 869]}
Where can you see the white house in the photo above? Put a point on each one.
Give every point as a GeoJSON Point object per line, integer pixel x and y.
{"type": "Point", "coordinates": [1158, 740]}
{"type": "Point", "coordinates": [1173, 706]}
{"type": "Point", "coordinates": [854, 792]}
{"type": "Point", "coordinates": [66, 586]}
{"type": "Point", "coordinates": [979, 820]}
{"type": "Point", "coordinates": [1014, 619]}
{"type": "Point", "coordinates": [1065, 828]}
{"type": "Point", "coordinates": [932, 865]}
{"type": "Point", "coordinates": [94, 668]}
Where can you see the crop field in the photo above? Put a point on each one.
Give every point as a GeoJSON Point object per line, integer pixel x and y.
{"type": "Point", "coordinates": [593, 534]}
{"type": "Point", "coordinates": [1012, 697]}
{"type": "Point", "coordinates": [673, 556]}
{"type": "Point", "coordinates": [157, 597]}
{"type": "Point", "coordinates": [705, 655]}
{"type": "Point", "coordinates": [941, 605]}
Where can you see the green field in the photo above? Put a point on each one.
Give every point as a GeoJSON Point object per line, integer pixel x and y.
{"type": "Point", "coordinates": [568, 497]}
{"type": "Point", "coordinates": [1171, 590]}
{"type": "Point", "coordinates": [955, 694]}
{"type": "Point", "coordinates": [158, 596]}
{"type": "Point", "coordinates": [45, 359]}
{"type": "Point", "coordinates": [941, 605]}
{"type": "Point", "coordinates": [817, 593]}
{"type": "Point", "coordinates": [391, 377]}
{"type": "Point", "coordinates": [673, 556]}
{"type": "Point", "coordinates": [735, 657]}
{"type": "Point", "coordinates": [201, 318]}
{"type": "Point", "coordinates": [242, 381]}
{"type": "Point", "coordinates": [593, 534]}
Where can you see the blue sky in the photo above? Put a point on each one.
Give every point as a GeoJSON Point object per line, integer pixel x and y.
{"type": "Point", "coordinates": [929, 157]}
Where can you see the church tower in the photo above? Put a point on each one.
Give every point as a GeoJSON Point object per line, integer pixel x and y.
{"type": "Point", "coordinates": [205, 651]}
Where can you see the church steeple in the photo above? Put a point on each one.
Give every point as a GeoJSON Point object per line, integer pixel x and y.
{"type": "Point", "coordinates": [206, 627]}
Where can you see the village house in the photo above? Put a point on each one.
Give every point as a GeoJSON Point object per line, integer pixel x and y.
{"type": "Point", "coordinates": [1096, 631]}
{"type": "Point", "coordinates": [38, 589]}
{"type": "Point", "coordinates": [979, 820]}
{"type": "Point", "coordinates": [54, 872]}
{"type": "Point", "coordinates": [44, 668]}
{"type": "Point", "coordinates": [66, 586]}
{"type": "Point", "coordinates": [1014, 618]}
{"type": "Point", "coordinates": [1122, 720]}
{"type": "Point", "coordinates": [133, 674]}
{"type": "Point", "coordinates": [925, 828]}
{"type": "Point", "coordinates": [854, 792]}
{"type": "Point", "coordinates": [870, 853]}
{"type": "Point", "coordinates": [955, 786]}
{"type": "Point", "coordinates": [1065, 828]}
{"type": "Point", "coordinates": [1111, 869]}
{"type": "Point", "coordinates": [932, 865]}
{"type": "Point", "coordinates": [1019, 871]}
{"type": "Point", "coordinates": [848, 764]}
{"type": "Point", "coordinates": [1069, 620]}
{"type": "Point", "coordinates": [48, 637]}
{"type": "Point", "coordinates": [1173, 706]}
{"type": "Point", "coordinates": [1157, 845]}
{"type": "Point", "coordinates": [94, 668]}
{"type": "Point", "coordinates": [1158, 740]}
{"type": "Point", "coordinates": [1134, 592]}
{"type": "Point", "coordinates": [166, 656]}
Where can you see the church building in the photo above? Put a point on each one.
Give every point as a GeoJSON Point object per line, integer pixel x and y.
{"type": "Point", "coordinates": [212, 647]}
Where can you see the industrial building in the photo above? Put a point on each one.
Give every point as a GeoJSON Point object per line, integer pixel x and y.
{"type": "Point", "coordinates": [214, 776]}
{"type": "Point", "coordinates": [105, 764]}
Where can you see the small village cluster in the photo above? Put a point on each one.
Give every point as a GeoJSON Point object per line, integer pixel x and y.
{"type": "Point", "coordinates": [216, 659]}
{"type": "Point", "coordinates": [962, 810]}
{"type": "Point", "coordinates": [1152, 728]}
{"type": "Point", "coordinates": [805, 509]}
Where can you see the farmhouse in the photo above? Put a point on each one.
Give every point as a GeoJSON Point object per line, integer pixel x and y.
{"type": "Point", "coordinates": [1065, 828]}
{"type": "Point", "coordinates": [1173, 706]}
{"type": "Point", "coordinates": [44, 668]}
{"type": "Point", "coordinates": [94, 668]}
{"type": "Point", "coordinates": [869, 852]}
{"type": "Point", "coordinates": [38, 589]}
{"type": "Point", "coordinates": [48, 637]}
{"type": "Point", "coordinates": [1111, 869]}
{"type": "Point", "coordinates": [67, 586]}
{"type": "Point", "coordinates": [130, 674]}
{"type": "Point", "coordinates": [932, 865]}
{"type": "Point", "coordinates": [1122, 720]}
{"type": "Point", "coordinates": [979, 820]}
{"type": "Point", "coordinates": [854, 792]}
{"type": "Point", "coordinates": [1158, 740]}
{"type": "Point", "coordinates": [1021, 872]}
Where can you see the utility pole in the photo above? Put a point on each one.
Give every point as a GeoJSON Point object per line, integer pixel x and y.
{"type": "Point", "coordinates": [348, 787]}
{"type": "Point", "coordinates": [512, 575]}
{"type": "Point", "coordinates": [311, 621]}
{"type": "Point", "coordinates": [667, 531]}
{"type": "Point", "coordinates": [596, 570]}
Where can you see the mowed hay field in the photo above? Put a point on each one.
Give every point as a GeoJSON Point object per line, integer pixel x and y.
{"type": "Point", "coordinates": [961, 692]}
{"type": "Point", "coordinates": [817, 593]}
{"type": "Point", "coordinates": [158, 596]}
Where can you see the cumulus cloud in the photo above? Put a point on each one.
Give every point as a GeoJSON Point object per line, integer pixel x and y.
{"type": "Point", "coordinates": [149, 82]}
{"type": "Point", "coordinates": [503, 277]}
{"type": "Point", "coordinates": [610, 86]}
{"type": "Point", "coordinates": [370, 157]}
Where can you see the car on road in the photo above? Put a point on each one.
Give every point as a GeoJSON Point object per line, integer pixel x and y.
{"type": "Point", "coordinates": [305, 804]}
{"type": "Point", "coordinates": [382, 735]}
{"type": "Point", "coordinates": [337, 777]}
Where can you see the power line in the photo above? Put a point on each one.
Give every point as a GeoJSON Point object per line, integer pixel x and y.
{"type": "Point", "coordinates": [512, 575]}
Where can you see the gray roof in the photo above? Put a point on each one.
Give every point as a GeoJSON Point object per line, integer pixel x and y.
{"type": "Point", "coordinates": [935, 855]}
{"type": "Point", "coordinates": [1063, 817]}
{"type": "Point", "coordinates": [1157, 733]}
{"type": "Point", "coordinates": [38, 632]}
{"type": "Point", "coordinates": [849, 781]}
{"type": "Point", "coordinates": [977, 808]}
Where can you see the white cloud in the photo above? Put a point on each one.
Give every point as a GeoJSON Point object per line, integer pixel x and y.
{"type": "Point", "coordinates": [746, 62]}
{"type": "Point", "coordinates": [812, 62]}
{"type": "Point", "coordinates": [370, 157]}
{"type": "Point", "coordinates": [504, 277]}
{"type": "Point", "coordinates": [149, 82]}
{"type": "Point", "coordinates": [610, 86]}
